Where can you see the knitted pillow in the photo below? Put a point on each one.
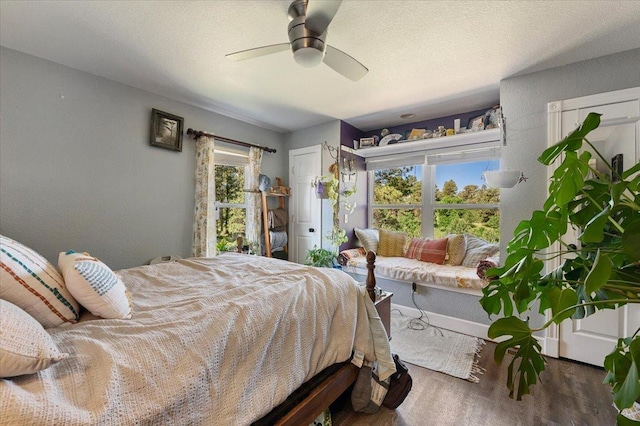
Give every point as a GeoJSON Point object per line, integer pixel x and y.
{"type": "Point", "coordinates": [94, 285]}
{"type": "Point", "coordinates": [391, 243]}
{"type": "Point", "coordinates": [368, 238]}
{"type": "Point", "coordinates": [426, 250]}
{"type": "Point", "coordinates": [456, 249]}
{"type": "Point", "coordinates": [25, 347]}
{"type": "Point", "coordinates": [30, 282]}
{"type": "Point", "coordinates": [477, 250]}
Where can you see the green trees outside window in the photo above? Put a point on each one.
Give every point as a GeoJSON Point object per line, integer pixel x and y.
{"type": "Point", "coordinates": [230, 201]}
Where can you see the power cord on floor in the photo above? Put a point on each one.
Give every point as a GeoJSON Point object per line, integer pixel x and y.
{"type": "Point", "coordinates": [419, 324]}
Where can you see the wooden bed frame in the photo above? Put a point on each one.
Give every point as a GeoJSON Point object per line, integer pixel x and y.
{"type": "Point", "coordinates": [318, 396]}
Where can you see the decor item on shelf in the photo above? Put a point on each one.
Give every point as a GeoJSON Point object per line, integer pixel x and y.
{"type": "Point", "coordinates": [599, 271]}
{"type": "Point", "coordinates": [384, 132]}
{"type": "Point", "coordinates": [367, 142]}
{"type": "Point", "coordinates": [264, 182]}
{"type": "Point", "coordinates": [416, 134]}
{"type": "Point", "coordinates": [390, 139]}
{"type": "Point", "coordinates": [166, 130]}
{"type": "Point", "coordinates": [504, 178]}
{"type": "Point", "coordinates": [456, 125]}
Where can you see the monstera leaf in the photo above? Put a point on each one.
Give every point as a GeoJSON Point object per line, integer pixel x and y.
{"type": "Point", "coordinates": [599, 271]}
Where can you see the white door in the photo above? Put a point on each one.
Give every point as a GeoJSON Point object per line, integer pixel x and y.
{"type": "Point", "coordinates": [305, 210]}
{"type": "Point", "coordinates": [591, 339]}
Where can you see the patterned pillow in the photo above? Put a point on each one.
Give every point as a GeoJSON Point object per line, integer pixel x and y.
{"type": "Point", "coordinates": [346, 255]}
{"type": "Point", "coordinates": [94, 285]}
{"type": "Point", "coordinates": [30, 282]}
{"type": "Point", "coordinates": [426, 250]}
{"type": "Point", "coordinates": [456, 249]}
{"type": "Point", "coordinates": [477, 250]}
{"type": "Point", "coordinates": [25, 347]}
{"type": "Point", "coordinates": [391, 243]}
{"type": "Point", "coordinates": [368, 238]}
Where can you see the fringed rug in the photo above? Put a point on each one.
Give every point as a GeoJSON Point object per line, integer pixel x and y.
{"type": "Point", "coordinates": [451, 353]}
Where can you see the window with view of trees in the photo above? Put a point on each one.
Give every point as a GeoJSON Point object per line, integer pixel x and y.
{"type": "Point", "coordinates": [230, 201]}
{"type": "Point", "coordinates": [456, 200]}
{"type": "Point", "coordinates": [472, 209]}
{"type": "Point", "coordinates": [397, 199]}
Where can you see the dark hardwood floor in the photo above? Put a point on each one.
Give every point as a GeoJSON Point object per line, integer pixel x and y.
{"type": "Point", "coordinates": [569, 393]}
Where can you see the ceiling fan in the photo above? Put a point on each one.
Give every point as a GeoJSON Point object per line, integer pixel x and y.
{"type": "Point", "coordinates": [307, 35]}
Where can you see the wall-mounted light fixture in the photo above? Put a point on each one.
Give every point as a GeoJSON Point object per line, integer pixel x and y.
{"type": "Point", "coordinates": [503, 178]}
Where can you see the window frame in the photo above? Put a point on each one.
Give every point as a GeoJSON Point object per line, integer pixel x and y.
{"type": "Point", "coordinates": [230, 158]}
{"type": "Point", "coordinates": [429, 205]}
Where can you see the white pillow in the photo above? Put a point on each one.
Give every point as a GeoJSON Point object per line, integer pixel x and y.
{"type": "Point", "coordinates": [477, 250]}
{"type": "Point", "coordinates": [94, 285]}
{"type": "Point", "coordinates": [25, 347]}
{"type": "Point", "coordinates": [369, 238]}
{"type": "Point", "coordinates": [30, 282]}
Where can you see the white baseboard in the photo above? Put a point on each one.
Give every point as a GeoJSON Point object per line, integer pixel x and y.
{"type": "Point", "coordinates": [450, 323]}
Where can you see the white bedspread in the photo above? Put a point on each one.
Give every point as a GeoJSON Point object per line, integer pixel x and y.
{"type": "Point", "coordinates": [412, 270]}
{"type": "Point", "coordinates": [212, 341]}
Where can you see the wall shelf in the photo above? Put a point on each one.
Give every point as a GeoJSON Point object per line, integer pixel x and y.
{"type": "Point", "coordinates": [420, 145]}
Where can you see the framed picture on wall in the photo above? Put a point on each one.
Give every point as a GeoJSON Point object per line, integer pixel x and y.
{"type": "Point", "coordinates": [166, 130]}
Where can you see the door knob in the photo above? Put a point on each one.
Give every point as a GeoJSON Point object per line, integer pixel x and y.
{"type": "Point", "coordinates": [312, 230]}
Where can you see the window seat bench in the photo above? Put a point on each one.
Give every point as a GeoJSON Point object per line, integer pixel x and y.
{"type": "Point", "coordinates": [456, 278]}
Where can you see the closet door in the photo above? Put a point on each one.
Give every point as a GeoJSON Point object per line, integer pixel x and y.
{"type": "Point", "coordinates": [305, 209]}
{"type": "Point", "coordinates": [591, 339]}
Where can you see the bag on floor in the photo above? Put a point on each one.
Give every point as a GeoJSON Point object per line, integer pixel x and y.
{"type": "Point", "coordinates": [368, 391]}
{"type": "Point", "coordinates": [399, 386]}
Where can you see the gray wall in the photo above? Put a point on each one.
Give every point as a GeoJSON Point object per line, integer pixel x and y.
{"type": "Point", "coordinates": [524, 101]}
{"type": "Point", "coordinates": [77, 171]}
{"type": "Point", "coordinates": [317, 135]}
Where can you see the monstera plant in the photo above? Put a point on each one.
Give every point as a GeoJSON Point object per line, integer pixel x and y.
{"type": "Point", "coordinates": [599, 271]}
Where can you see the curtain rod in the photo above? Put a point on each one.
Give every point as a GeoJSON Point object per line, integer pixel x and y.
{"type": "Point", "coordinates": [197, 133]}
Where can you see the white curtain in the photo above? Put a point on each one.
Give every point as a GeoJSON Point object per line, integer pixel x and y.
{"type": "Point", "coordinates": [254, 206]}
{"type": "Point", "coordinates": [204, 221]}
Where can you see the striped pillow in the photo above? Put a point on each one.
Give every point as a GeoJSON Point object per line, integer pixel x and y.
{"type": "Point", "coordinates": [477, 250]}
{"type": "Point", "coordinates": [391, 243]}
{"type": "Point", "coordinates": [95, 285]}
{"type": "Point", "coordinates": [433, 251]}
{"type": "Point", "coordinates": [30, 282]}
{"type": "Point", "coordinates": [368, 238]}
{"type": "Point", "coordinates": [456, 249]}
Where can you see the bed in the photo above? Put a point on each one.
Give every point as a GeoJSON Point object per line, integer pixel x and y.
{"type": "Point", "coordinates": [211, 341]}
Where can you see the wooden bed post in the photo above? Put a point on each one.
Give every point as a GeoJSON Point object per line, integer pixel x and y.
{"type": "Point", "coordinates": [239, 244]}
{"type": "Point", "coordinates": [371, 279]}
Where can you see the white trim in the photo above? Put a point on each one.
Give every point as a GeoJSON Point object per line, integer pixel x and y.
{"type": "Point", "coordinates": [617, 96]}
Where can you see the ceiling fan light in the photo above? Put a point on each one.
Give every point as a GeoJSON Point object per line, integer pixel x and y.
{"type": "Point", "coordinates": [502, 178]}
{"type": "Point", "coordinates": [308, 57]}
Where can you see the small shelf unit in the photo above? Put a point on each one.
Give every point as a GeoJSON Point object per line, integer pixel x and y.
{"type": "Point", "coordinates": [265, 218]}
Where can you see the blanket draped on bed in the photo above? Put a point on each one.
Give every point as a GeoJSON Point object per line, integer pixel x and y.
{"type": "Point", "coordinates": [212, 341]}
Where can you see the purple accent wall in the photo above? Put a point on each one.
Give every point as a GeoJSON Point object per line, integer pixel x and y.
{"type": "Point", "coordinates": [348, 133]}
{"type": "Point", "coordinates": [432, 124]}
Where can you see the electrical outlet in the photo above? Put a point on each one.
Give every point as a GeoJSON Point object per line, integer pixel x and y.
{"type": "Point", "coordinates": [414, 287]}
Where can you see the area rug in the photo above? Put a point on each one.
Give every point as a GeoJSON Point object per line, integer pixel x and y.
{"type": "Point", "coordinates": [451, 353]}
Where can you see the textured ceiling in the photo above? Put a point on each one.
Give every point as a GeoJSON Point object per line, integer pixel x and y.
{"type": "Point", "coordinates": [431, 58]}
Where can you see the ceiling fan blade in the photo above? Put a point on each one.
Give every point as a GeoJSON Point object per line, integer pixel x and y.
{"type": "Point", "coordinates": [344, 64]}
{"type": "Point", "coordinates": [258, 51]}
{"type": "Point", "coordinates": [320, 14]}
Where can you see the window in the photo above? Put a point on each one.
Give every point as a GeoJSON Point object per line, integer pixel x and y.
{"type": "Point", "coordinates": [230, 198]}
{"type": "Point", "coordinates": [463, 202]}
{"type": "Point", "coordinates": [397, 199]}
{"type": "Point", "coordinates": [442, 194]}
